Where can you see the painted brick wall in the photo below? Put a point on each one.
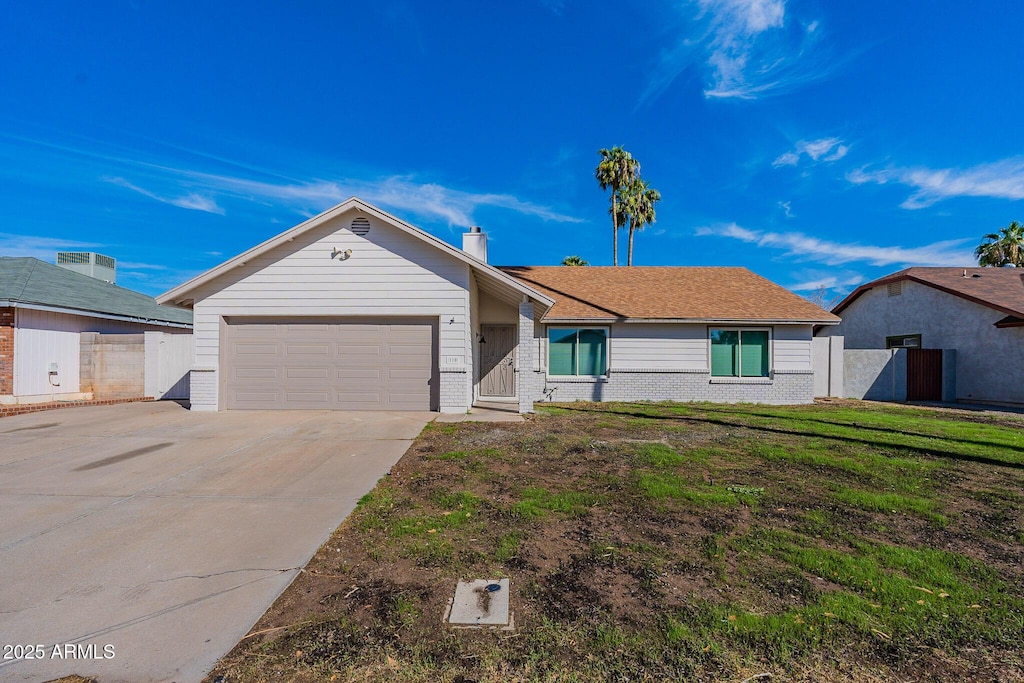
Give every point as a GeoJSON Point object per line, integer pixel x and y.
{"type": "Point", "coordinates": [623, 385]}
{"type": "Point", "coordinates": [454, 390]}
{"type": "Point", "coordinates": [203, 389]}
{"type": "Point", "coordinates": [530, 381]}
{"type": "Point", "coordinates": [6, 351]}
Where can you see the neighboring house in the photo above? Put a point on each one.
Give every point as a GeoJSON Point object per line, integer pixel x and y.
{"type": "Point", "coordinates": [44, 311]}
{"type": "Point", "coordinates": [356, 309]}
{"type": "Point", "coordinates": [976, 312]}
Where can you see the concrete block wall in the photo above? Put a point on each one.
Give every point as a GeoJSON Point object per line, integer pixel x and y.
{"type": "Point", "coordinates": [112, 365]}
{"type": "Point", "coordinates": [682, 385]}
{"type": "Point", "coordinates": [6, 351]}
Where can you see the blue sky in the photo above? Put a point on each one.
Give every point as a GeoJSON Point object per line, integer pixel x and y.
{"type": "Point", "coordinates": [813, 142]}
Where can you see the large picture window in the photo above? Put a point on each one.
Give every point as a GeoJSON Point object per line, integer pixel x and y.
{"type": "Point", "coordinates": [578, 351]}
{"type": "Point", "coordinates": [739, 353]}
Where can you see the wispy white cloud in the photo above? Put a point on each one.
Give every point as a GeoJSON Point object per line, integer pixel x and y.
{"type": "Point", "coordinates": [749, 49]}
{"type": "Point", "coordinates": [207, 191]}
{"type": "Point", "coordinates": [824, 149]}
{"type": "Point", "coordinates": [136, 265]}
{"type": "Point", "coordinates": [426, 200]}
{"type": "Point", "coordinates": [811, 280]}
{"type": "Point", "coordinates": [42, 248]}
{"type": "Point", "coordinates": [193, 200]}
{"type": "Point", "coordinates": [787, 208]}
{"type": "Point", "coordinates": [1001, 179]}
{"type": "Point", "coordinates": [804, 247]}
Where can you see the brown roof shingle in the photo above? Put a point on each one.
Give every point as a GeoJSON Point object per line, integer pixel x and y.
{"type": "Point", "coordinates": [1001, 289]}
{"type": "Point", "coordinates": [666, 293]}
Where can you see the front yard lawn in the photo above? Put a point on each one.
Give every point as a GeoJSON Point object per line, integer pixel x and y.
{"type": "Point", "coordinates": [838, 541]}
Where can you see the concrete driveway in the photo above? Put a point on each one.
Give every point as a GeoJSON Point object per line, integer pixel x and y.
{"type": "Point", "coordinates": [142, 541]}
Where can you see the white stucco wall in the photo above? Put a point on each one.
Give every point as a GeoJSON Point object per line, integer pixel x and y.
{"type": "Point", "coordinates": [389, 273]}
{"type": "Point", "coordinates": [989, 360]}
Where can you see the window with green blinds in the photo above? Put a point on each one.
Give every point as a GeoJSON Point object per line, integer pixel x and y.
{"type": "Point", "coordinates": [561, 352]}
{"type": "Point", "coordinates": [753, 353]}
{"type": "Point", "coordinates": [577, 351]}
{"type": "Point", "coordinates": [725, 346]}
{"type": "Point", "coordinates": [739, 353]}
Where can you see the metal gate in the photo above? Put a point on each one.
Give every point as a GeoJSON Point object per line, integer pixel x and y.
{"type": "Point", "coordinates": [924, 374]}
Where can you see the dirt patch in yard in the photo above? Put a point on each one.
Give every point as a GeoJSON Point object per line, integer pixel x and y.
{"type": "Point", "coordinates": [651, 542]}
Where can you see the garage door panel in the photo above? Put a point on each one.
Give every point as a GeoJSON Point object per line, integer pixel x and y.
{"type": "Point", "coordinates": [255, 373]}
{"type": "Point", "coordinates": [367, 351]}
{"type": "Point", "coordinates": [307, 349]}
{"type": "Point", "coordinates": [254, 397]}
{"type": "Point", "coordinates": [243, 349]}
{"type": "Point", "coordinates": [362, 365]}
{"type": "Point", "coordinates": [307, 373]}
{"type": "Point", "coordinates": [255, 330]}
{"type": "Point", "coordinates": [361, 374]}
{"type": "Point", "coordinates": [305, 399]}
{"type": "Point", "coordinates": [408, 374]}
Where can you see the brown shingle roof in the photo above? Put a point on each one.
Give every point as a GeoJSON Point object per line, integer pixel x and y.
{"type": "Point", "coordinates": [666, 293]}
{"type": "Point", "coordinates": [1001, 289]}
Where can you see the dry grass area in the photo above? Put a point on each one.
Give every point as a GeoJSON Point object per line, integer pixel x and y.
{"type": "Point", "coordinates": [675, 542]}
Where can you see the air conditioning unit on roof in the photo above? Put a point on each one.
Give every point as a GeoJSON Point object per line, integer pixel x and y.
{"type": "Point", "coordinates": [89, 263]}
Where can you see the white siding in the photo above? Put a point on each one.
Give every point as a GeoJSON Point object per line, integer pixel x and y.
{"type": "Point", "coordinates": [658, 347]}
{"type": "Point", "coordinates": [389, 273]}
{"type": "Point", "coordinates": [44, 337]}
{"type": "Point", "coordinates": [792, 348]}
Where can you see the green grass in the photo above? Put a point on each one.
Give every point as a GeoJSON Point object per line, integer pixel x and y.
{"type": "Point", "coordinates": [536, 503]}
{"type": "Point", "coordinates": [661, 486]}
{"type": "Point", "coordinates": [890, 502]}
{"type": "Point", "coordinates": [682, 542]}
{"type": "Point", "coordinates": [658, 455]}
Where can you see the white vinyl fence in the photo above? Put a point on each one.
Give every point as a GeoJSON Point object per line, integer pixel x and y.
{"type": "Point", "coordinates": [168, 361]}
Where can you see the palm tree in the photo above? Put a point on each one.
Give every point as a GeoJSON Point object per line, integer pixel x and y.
{"type": "Point", "coordinates": [1002, 248]}
{"type": "Point", "coordinates": [638, 199]}
{"type": "Point", "coordinates": [574, 261]}
{"type": "Point", "coordinates": [616, 169]}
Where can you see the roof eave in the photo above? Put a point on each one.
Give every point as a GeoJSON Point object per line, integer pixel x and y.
{"type": "Point", "coordinates": [695, 321]}
{"type": "Point", "coordinates": [8, 303]}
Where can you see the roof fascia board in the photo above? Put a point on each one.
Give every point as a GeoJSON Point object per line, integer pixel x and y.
{"type": "Point", "coordinates": [352, 202]}
{"type": "Point", "coordinates": [93, 314]}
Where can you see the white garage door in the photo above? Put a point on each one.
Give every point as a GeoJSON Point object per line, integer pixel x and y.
{"type": "Point", "coordinates": [364, 364]}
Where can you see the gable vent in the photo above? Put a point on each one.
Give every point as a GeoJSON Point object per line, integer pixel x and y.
{"type": "Point", "coordinates": [895, 288]}
{"type": "Point", "coordinates": [360, 225]}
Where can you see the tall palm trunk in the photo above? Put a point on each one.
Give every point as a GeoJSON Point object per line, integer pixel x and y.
{"type": "Point", "coordinates": [629, 257]}
{"type": "Point", "coordinates": [615, 230]}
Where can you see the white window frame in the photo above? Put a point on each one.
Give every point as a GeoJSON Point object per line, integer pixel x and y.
{"type": "Point", "coordinates": [740, 377]}
{"type": "Point", "coordinates": [547, 349]}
